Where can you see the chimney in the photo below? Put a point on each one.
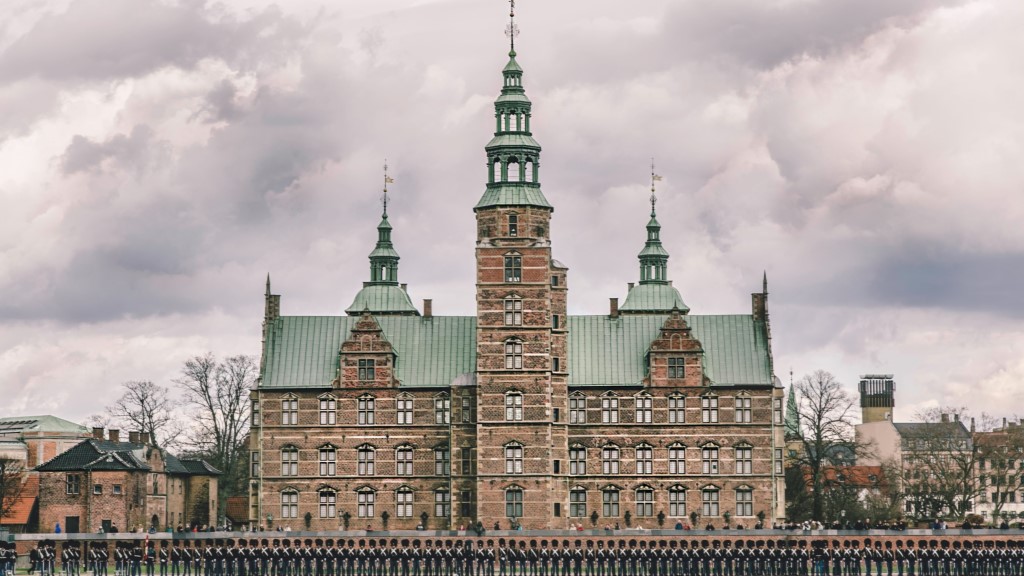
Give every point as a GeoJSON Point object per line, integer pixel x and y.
{"type": "Point", "coordinates": [133, 437]}
{"type": "Point", "coordinates": [144, 438]}
{"type": "Point", "coordinates": [1004, 423]}
{"type": "Point", "coordinates": [956, 417]}
{"type": "Point", "coordinates": [631, 285]}
{"type": "Point", "coordinates": [972, 424]}
{"type": "Point", "coordinates": [114, 435]}
{"type": "Point", "coordinates": [428, 308]}
{"type": "Point", "coordinates": [405, 288]}
{"type": "Point", "coordinates": [97, 432]}
{"type": "Point", "coordinates": [945, 418]}
{"type": "Point", "coordinates": [613, 304]}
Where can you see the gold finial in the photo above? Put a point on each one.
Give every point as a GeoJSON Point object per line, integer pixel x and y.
{"type": "Point", "coordinates": [654, 196]}
{"type": "Point", "coordinates": [387, 180]}
{"type": "Point", "coordinates": [512, 30]}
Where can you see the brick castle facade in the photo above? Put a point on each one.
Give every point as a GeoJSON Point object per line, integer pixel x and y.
{"type": "Point", "coordinates": [392, 417]}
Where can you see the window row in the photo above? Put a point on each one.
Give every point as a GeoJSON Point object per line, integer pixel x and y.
{"type": "Point", "coordinates": [366, 503]}
{"type": "Point", "coordinates": [643, 463]}
{"type": "Point", "coordinates": [643, 409]}
{"type": "Point", "coordinates": [643, 502]}
{"type": "Point", "coordinates": [366, 409]}
{"type": "Point", "coordinates": [366, 461]}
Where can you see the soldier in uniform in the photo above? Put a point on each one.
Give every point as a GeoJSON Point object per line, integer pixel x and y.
{"type": "Point", "coordinates": [164, 555]}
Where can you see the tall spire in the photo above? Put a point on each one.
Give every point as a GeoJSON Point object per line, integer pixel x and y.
{"type": "Point", "coordinates": [384, 258]}
{"type": "Point", "coordinates": [792, 424]}
{"type": "Point", "coordinates": [654, 257]}
{"type": "Point", "coordinates": [513, 156]}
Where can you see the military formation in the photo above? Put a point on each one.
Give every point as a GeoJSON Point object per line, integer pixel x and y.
{"type": "Point", "coordinates": [527, 557]}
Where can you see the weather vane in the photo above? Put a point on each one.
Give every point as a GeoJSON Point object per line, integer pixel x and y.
{"type": "Point", "coordinates": [654, 178]}
{"type": "Point", "coordinates": [512, 30]}
{"type": "Point", "coordinates": [387, 180]}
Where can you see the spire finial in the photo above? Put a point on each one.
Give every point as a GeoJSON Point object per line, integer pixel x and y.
{"type": "Point", "coordinates": [764, 283]}
{"type": "Point", "coordinates": [654, 196]}
{"type": "Point", "coordinates": [268, 283]}
{"type": "Point", "coordinates": [512, 30]}
{"type": "Point", "coordinates": [387, 180]}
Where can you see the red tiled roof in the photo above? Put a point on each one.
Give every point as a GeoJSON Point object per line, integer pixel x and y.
{"type": "Point", "coordinates": [23, 505]}
{"type": "Point", "coordinates": [237, 508]}
{"type": "Point", "coordinates": [859, 476]}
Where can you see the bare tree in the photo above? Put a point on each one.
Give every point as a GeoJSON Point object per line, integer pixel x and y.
{"type": "Point", "coordinates": [218, 393]}
{"type": "Point", "coordinates": [146, 407]}
{"type": "Point", "coordinates": [12, 482]}
{"type": "Point", "coordinates": [826, 434]}
{"type": "Point", "coordinates": [939, 463]}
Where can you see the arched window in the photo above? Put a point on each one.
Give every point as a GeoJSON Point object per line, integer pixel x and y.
{"type": "Point", "coordinates": [328, 503]}
{"type": "Point", "coordinates": [442, 503]}
{"type": "Point", "coordinates": [289, 410]}
{"type": "Point", "coordinates": [709, 501]}
{"type": "Point", "coordinates": [610, 501]}
{"type": "Point", "coordinates": [328, 410]}
{"type": "Point", "coordinates": [676, 409]}
{"type": "Point", "coordinates": [577, 408]}
{"type": "Point", "coordinates": [709, 459]}
{"type": "Point", "coordinates": [365, 499]}
{"type": "Point", "coordinates": [644, 501]}
{"type": "Point", "coordinates": [512, 169]}
{"type": "Point", "coordinates": [676, 459]}
{"type": "Point", "coordinates": [644, 459]}
{"type": "Point", "coordinates": [744, 459]}
{"type": "Point", "coordinates": [513, 311]}
{"type": "Point", "coordinates": [442, 409]}
{"type": "Point", "coordinates": [577, 460]}
{"type": "Point", "coordinates": [513, 406]}
{"type": "Point", "coordinates": [744, 501]}
{"type": "Point", "coordinates": [709, 409]}
{"type": "Point", "coordinates": [328, 460]}
{"type": "Point", "coordinates": [677, 501]}
{"type": "Point", "coordinates": [530, 176]}
{"type": "Point", "coordinates": [366, 458]}
{"type": "Point", "coordinates": [403, 502]}
{"type": "Point", "coordinates": [610, 408]}
{"type": "Point", "coordinates": [743, 412]}
{"type": "Point", "coordinates": [610, 459]}
{"type": "Point", "coordinates": [403, 408]}
{"type": "Point", "coordinates": [514, 502]}
{"type": "Point", "coordinates": [513, 354]}
{"type": "Point", "coordinates": [578, 502]}
{"type": "Point", "coordinates": [289, 504]}
{"type": "Point", "coordinates": [643, 403]}
{"type": "Point", "coordinates": [366, 407]}
{"type": "Point", "coordinates": [403, 460]}
{"type": "Point", "coordinates": [514, 458]}
{"type": "Point", "coordinates": [513, 267]}
{"type": "Point", "coordinates": [289, 461]}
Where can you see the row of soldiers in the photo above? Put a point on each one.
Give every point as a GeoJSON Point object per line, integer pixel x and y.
{"type": "Point", "coordinates": [436, 557]}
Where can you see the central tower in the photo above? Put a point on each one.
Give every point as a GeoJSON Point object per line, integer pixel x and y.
{"type": "Point", "coordinates": [521, 437]}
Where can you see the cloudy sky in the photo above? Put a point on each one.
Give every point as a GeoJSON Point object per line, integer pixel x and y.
{"type": "Point", "coordinates": [159, 158]}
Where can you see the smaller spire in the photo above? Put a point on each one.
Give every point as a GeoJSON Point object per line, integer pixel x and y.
{"type": "Point", "coordinates": [764, 283]}
{"type": "Point", "coordinates": [792, 422]}
{"type": "Point", "coordinates": [268, 283]}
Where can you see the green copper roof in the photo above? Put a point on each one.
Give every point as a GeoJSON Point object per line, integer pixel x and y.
{"type": "Point", "coordinates": [654, 297]}
{"type": "Point", "coordinates": [512, 65]}
{"type": "Point", "coordinates": [514, 139]}
{"type": "Point", "coordinates": [302, 351]}
{"type": "Point", "coordinates": [381, 299]}
{"type": "Point", "coordinates": [653, 250]}
{"type": "Point", "coordinates": [384, 251]}
{"type": "Point", "coordinates": [44, 423]}
{"type": "Point", "coordinates": [512, 195]}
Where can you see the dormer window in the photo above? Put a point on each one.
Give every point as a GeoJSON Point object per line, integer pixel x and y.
{"type": "Point", "coordinates": [513, 225]}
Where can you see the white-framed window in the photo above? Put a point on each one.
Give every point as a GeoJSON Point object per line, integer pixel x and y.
{"type": "Point", "coordinates": [743, 411]}
{"type": "Point", "coordinates": [709, 409]}
{"type": "Point", "coordinates": [778, 460]}
{"type": "Point", "coordinates": [514, 502]}
{"type": "Point", "coordinates": [744, 459]}
{"type": "Point", "coordinates": [676, 409]}
{"type": "Point", "coordinates": [709, 502]}
{"type": "Point", "coordinates": [644, 405]}
{"type": "Point", "coordinates": [676, 459]}
{"type": "Point", "coordinates": [289, 461]}
{"type": "Point", "coordinates": [578, 502]}
{"type": "Point", "coordinates": [644, 459]}
{"type": "Point", "coordinates": [513, 355]}
{"type": "Point", "coordinates": [442, 503]}
{"type": "Point", "coordinates": [677, 501]}
{"type": "Point", "coordinates": [513, 268]}
{"type": "Point", "coordinates": [513, 225]}
{"type": "Point", "coordinates": [777, 410]}
{"type": "Point", "coordinates": [365, 407]}
{"type": "Point", "coordinates": [513, 406]}
{"type": "Point", "coordinates": [255, 413]}
{"type": "Point", "coordinates": [609, 409]}
{"type": "Point", "coordinates": [709, 459]}
{"type": "Point", "coordinates": [577, 409]}
{"type": "Point", "coordinates": [254, 464]}
{"type": "Point", "coordinates": [365, 500]}
{"type": "Point", "coordinates": [676, 368]}
{"type": "Point", "coordinates": [328, 461]}
{"type": "Point", "coordinates": [328, 411]}
{"type": "Point", "coordinates": [744, 501]}
{"type": "Point", "coordinates": [403, 502]}
{"type": "Point", "coordinates": [644, 501]}
{"type": "Point", "coordinates": [403, 461]}
{"type": "Point", "coordinates": [513, 458]}
{"type": "Point", "coordinates": [289, 411]}
{"type": "Point", "coordinates": [367, 370]}
{"type": "Point", "coordinates": [442, 461]}
{"type": "Point", "coordinates": [403, 409]}
{"type": "Point", "coordinates": [366, 460]}
{"type": "Point", "coordinates": [577, 460]}
{"type": "Point", "coordinates": [610, 459]}
{"type": "Point", "coordinates": [328, 503]}
{"type": "Point", "coordinates": [442, 409]}
{"type": "Point", "coordinates": [289, 504]}
{"type": "Point", "coordinates": [513, 311]}
{"type": "Point", "coordinates": [610, 502]}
